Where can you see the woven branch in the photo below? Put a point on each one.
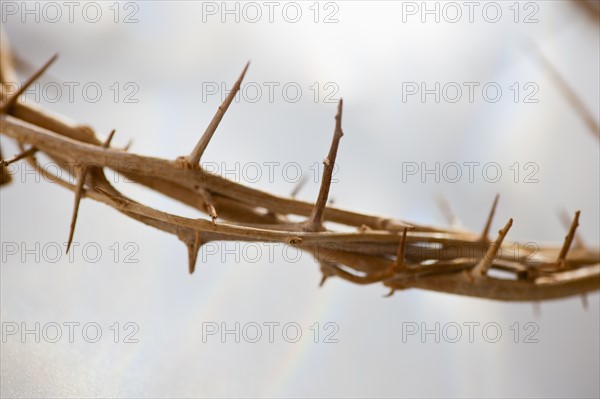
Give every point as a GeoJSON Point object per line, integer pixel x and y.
{"type": "Point", "coordinates": [395, 253]}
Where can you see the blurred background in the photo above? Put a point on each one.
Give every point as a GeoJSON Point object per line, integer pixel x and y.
{"type": "Point", "coordinates": [157, 71]}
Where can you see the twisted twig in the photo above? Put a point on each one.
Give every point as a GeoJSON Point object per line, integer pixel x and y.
{"type": "Point", "coordinates": [396, 253]}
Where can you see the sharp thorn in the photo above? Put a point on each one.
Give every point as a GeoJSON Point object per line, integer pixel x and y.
{"type": "Point", "coordinates": [484, 264]}
{"type": "Point", "coordinates": [78, 192]}
{"type": "Point", "coordinates": [208, 204]}
{"type": "Point", "coordinates": [18, 157]}
{"type": "Point", "coordinates": [569, 94]}
{"type": "Point", "coordinates": [569, 239]}
{"type": "Point", "coordinates": [566, 222]}
{"type": "Point", "coordinates": [10, 101]}
{"type": "Point", "coordinates": [128, 145]}
{"type": "Point", "coordinates": [326, 272]}
{"type": "Point", "coordinates": [193, 247]}
{"type": "Point", "coordinates": [106, 143]}
{"type": "Point", "coordinates": [193, 160]}
{"type": "Point", "coordinates": [389, 294]}
{"type": "Point", "coordinates": [315, 221]}
{"type": "Point", "coordinates": [488, 223]}
{"type": "Point", "coordinates": [323, 279]}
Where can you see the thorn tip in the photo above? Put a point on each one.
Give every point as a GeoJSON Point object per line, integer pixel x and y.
{"type": "Point", "coordinates": [193, 160]}
{"type": "Point", "coordinates": [484, 264]}
{"type": "Point", "coordinates": [78, 193]}
{"type": "Point", "coordinates": [315, 220]}
{"type": "Point", "coordinates": [569, 239]}
{"type": "Point", "coordinates": [10, 101]}
{"type": "Point", "coordinates": [488, 223]}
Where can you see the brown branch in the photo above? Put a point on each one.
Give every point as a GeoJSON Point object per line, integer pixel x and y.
{"type": "Point", "coordinates": [398, 254]}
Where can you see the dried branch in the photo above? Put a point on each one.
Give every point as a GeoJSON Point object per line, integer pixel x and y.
{"type": "Point", "coordinates": [384, 250]}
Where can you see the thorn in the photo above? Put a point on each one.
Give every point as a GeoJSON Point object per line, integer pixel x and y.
{"type": "Point", "coordinates": [484, 264]}
{"type": "Point", "coordinates": [10, 101]}
{"type": "Point", "coordinates": [128, 145]}
{"type": "Point", "coordinates": [488, 223]}
{"type": "Point", "coordinates": [315, 221]}
{"type": "Point", "coordinates": [18, 157]}
{"type": "Point", "coordinates": [106, 143]}
{"type": "Point", "coordinates": [584, 301]}
{"type": "Point", "coordinates": [444, 206]}
{"type": "Point", "coordinates": [208, 204]}
{"type": "Point", "coordinates": [78, 192]}
{"type": "Point", "coordinates": [193, 247]}
{"type": "Point", "coordinates": [537, 309]}
{"type": "Point", "coordinates": [568, 239]}
{"type": "Point", "coordinates": [323, 279]}
{"type": "Point", "coordinates": [400, 266]}
{"type": "Point", "coordinates": [569, 94]}
{"type": "Point", "coordinates": [301, 183]}
{"type": "Point", "coordinates": [193, 160]}
{"type": "Point", "coordinates": [566, 221]}
{"type": "Point", "coordinates": [326, 271]}
{"type": "Point", "coordinates": [27, 68]}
